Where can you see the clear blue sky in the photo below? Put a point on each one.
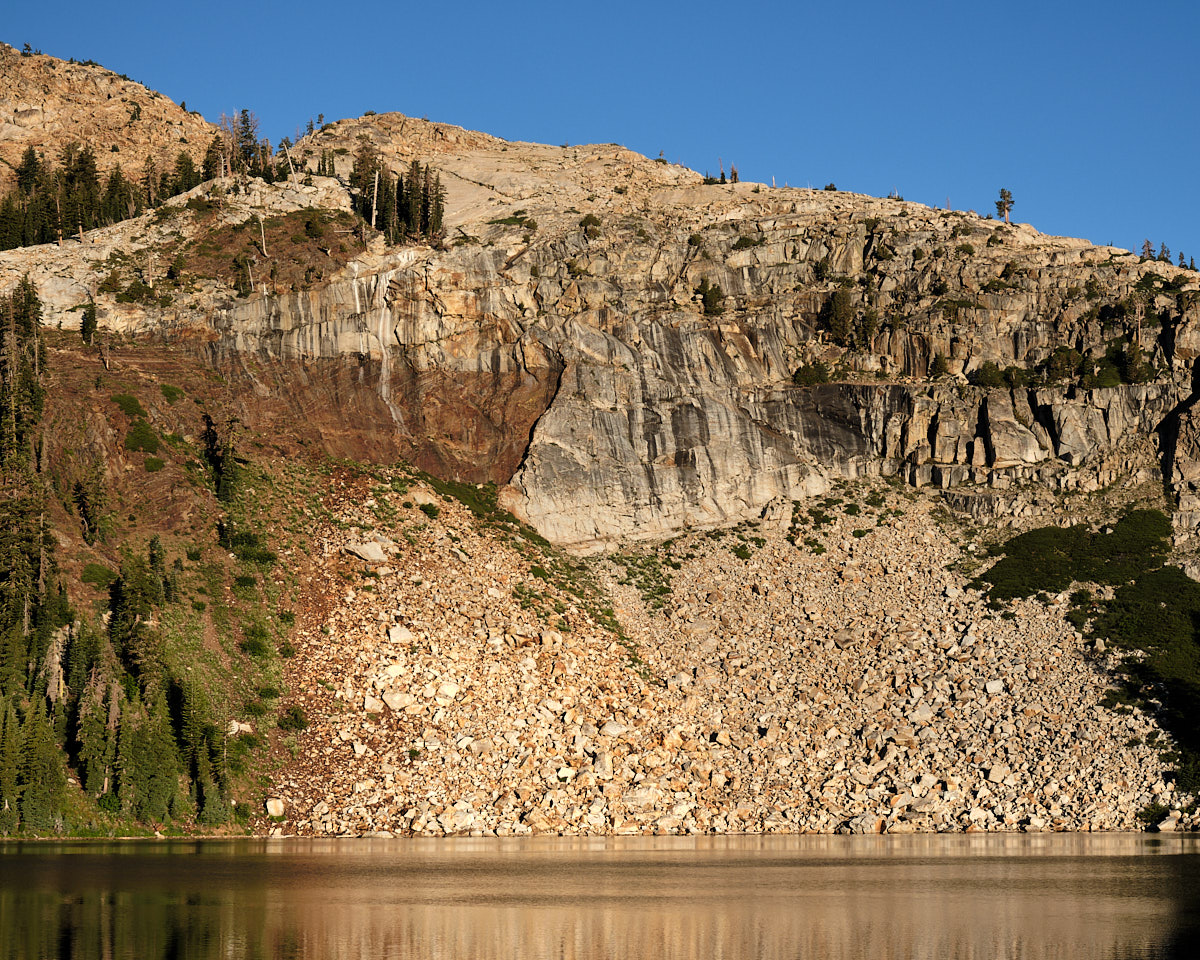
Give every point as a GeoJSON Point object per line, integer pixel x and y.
{"type": "Point", "coordinates": [1087, 111]}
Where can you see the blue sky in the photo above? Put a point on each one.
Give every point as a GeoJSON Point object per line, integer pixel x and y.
{"type": "Point", "coordinates": [1087, 112]}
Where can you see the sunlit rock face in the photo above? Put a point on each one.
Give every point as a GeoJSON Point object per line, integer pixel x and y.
{"type": "Point", "coordinates": [557, 341]}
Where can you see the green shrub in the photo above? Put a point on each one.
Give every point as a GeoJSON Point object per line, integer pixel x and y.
{"type": "Point", "coordinates": [246, 545]}
{"type": "Point", "coordinates": [430, 510]}
{"type": "Point", "coordinates": [171, 394]}
{"type": "Point", "coordinates": [988, 375]}
{"type": "Point", "coordinates": [1015, 377]}
{"type": "Point", "coordinates": [141, 437]}
{"type": "Point", "coordinates": [940, 366]}
{"type": "Point", "coordinates": [1051, 558]}
{"type": "Point", "coordinates": [137, 292]}
{"type": "Point", "coordinates": [293, 718]}
{"type": "Point", "coordinates": [98, 575]}
{"type": "Point", "coordinates": [695, 240]}
{"type": "Point", "coordinates": [811, 374]}
{"type": "Point", "coordinates": [744, 243]}
{"type": "Point", "coordinates": [154, 464]}
{"type": "Point", "coordinates": [966, 249]}
{"type": "Point", "coordinates": [712, 297]}
{"type": "Point", "coordinates": [254, 641]}
{"type": "Point", "coordinates": [130, 405]}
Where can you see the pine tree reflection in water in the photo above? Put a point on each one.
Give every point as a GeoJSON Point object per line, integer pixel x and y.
{"type": "Point", "coordinates": [778, 897]}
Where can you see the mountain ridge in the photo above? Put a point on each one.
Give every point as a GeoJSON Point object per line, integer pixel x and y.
{"type": "Point", "coordinates": [383, 453]}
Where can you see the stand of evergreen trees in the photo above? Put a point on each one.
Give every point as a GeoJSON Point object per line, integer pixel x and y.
{"type": "Point", "coordinates": [408, 205]}
{"type": "Point", "coordinates": [74, 696]}
{"type": "Point", "coordinates": [51, 202]}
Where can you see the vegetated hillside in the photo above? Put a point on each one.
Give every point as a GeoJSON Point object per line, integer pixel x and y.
{"type": "Point", "coordinates": [625, 352]}
{"type": "Point", "coordinates": [151, 556]}
{"type": "Point", "coordinates": [47, 104]}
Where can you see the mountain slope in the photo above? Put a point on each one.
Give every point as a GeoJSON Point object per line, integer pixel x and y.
{"type": "Point", "coordinates": [46, 103]}
{"type": "Point", "coordinates": [793, 385]}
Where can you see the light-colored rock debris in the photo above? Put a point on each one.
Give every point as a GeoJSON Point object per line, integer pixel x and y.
{"type": "Point", "coordinates": [864, 689]}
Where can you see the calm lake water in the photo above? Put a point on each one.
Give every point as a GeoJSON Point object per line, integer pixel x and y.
{"type": "Point", "coordinates": [1062, 896]}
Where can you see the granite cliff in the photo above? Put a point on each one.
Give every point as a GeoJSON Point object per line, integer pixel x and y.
{"type": "Point", "coordinates": [556, 342]}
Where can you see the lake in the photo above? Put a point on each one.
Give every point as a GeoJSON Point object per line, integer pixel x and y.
{"type": "Point", "coordinates": [944, 896]}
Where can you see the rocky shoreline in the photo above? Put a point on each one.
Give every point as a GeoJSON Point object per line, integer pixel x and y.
{"type": "Point", "coordinates": [457, 682]}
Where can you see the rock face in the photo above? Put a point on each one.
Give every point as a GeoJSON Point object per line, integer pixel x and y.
{"type": "Point", "coordinates": [556, 342]}
{"type": "Point", "coordinates": [46, 103]}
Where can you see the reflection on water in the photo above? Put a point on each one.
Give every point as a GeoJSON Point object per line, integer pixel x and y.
{"type": "Point", "coordinates": [1071, 896]}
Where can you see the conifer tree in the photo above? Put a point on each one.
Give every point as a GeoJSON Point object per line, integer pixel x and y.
{"type": "Point", "coordinates": [147, 762]}
{"type": "Point", "coordinates": [87, 323]}
{"type": "Point", "coordinates": [130, 598]}
{"type": "Point", "coordinates": [120, 201]}
{"type": "Point", "coordinates": [29, 172]}
{"type": "Point", "coordinates": [10, 762]}
{"type": "Point", "coordinates": [185, 174]}
{"type": "Point", "coordinates": [43, 780]}
{"type": "Point", "coordinates": [245, 136]}
{"type": "Point", "coordinates": [99, 716]}
{"type": "Point", "coordinates": [214, 163]}
{"type": "Point", "coordinates": [21, 366]}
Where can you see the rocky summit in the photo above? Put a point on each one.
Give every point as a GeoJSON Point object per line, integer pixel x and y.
{"type": "Point", "coordinates": [632, 500]}
{"type": "Point", "coordinates": [48, 104]}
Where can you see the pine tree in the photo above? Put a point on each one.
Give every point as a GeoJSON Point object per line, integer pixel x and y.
{"type": "Point", "coordinates": [246, 139]}
{"type": "Point", "coordinates": [437, 207]}
{"type": "Point", "coordinates": [99, 717]}
{"type": "Point", "coordinates": [147, 761]}
{"type": "Point", "coordinates": [1005, 204]}
{"type": "Point", "coordinates": [213, 165]}
{"type": "Point", "coordinates": [413, 198]}
{"type": "Point", "coordinates": [120, 201]}
{"type": "Point", "coordinates": [10, 764]}
{"type": "Point", "coordinates": [130, 601]}
{"type": "Point", "coordinates": [21, 367]}
{"type": "Point", "coordinates": [184, 174]}
{"type": "Point", "coordinates": [87, 323]}
{"type": "Point", "coordinates": [29, 172]}
{"type": "Point", "coordinates": [200, 738]}
{"type": "Point", "coordinates": [43, 780]}
{"type": "Point", "coordinates": [150, 184]}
